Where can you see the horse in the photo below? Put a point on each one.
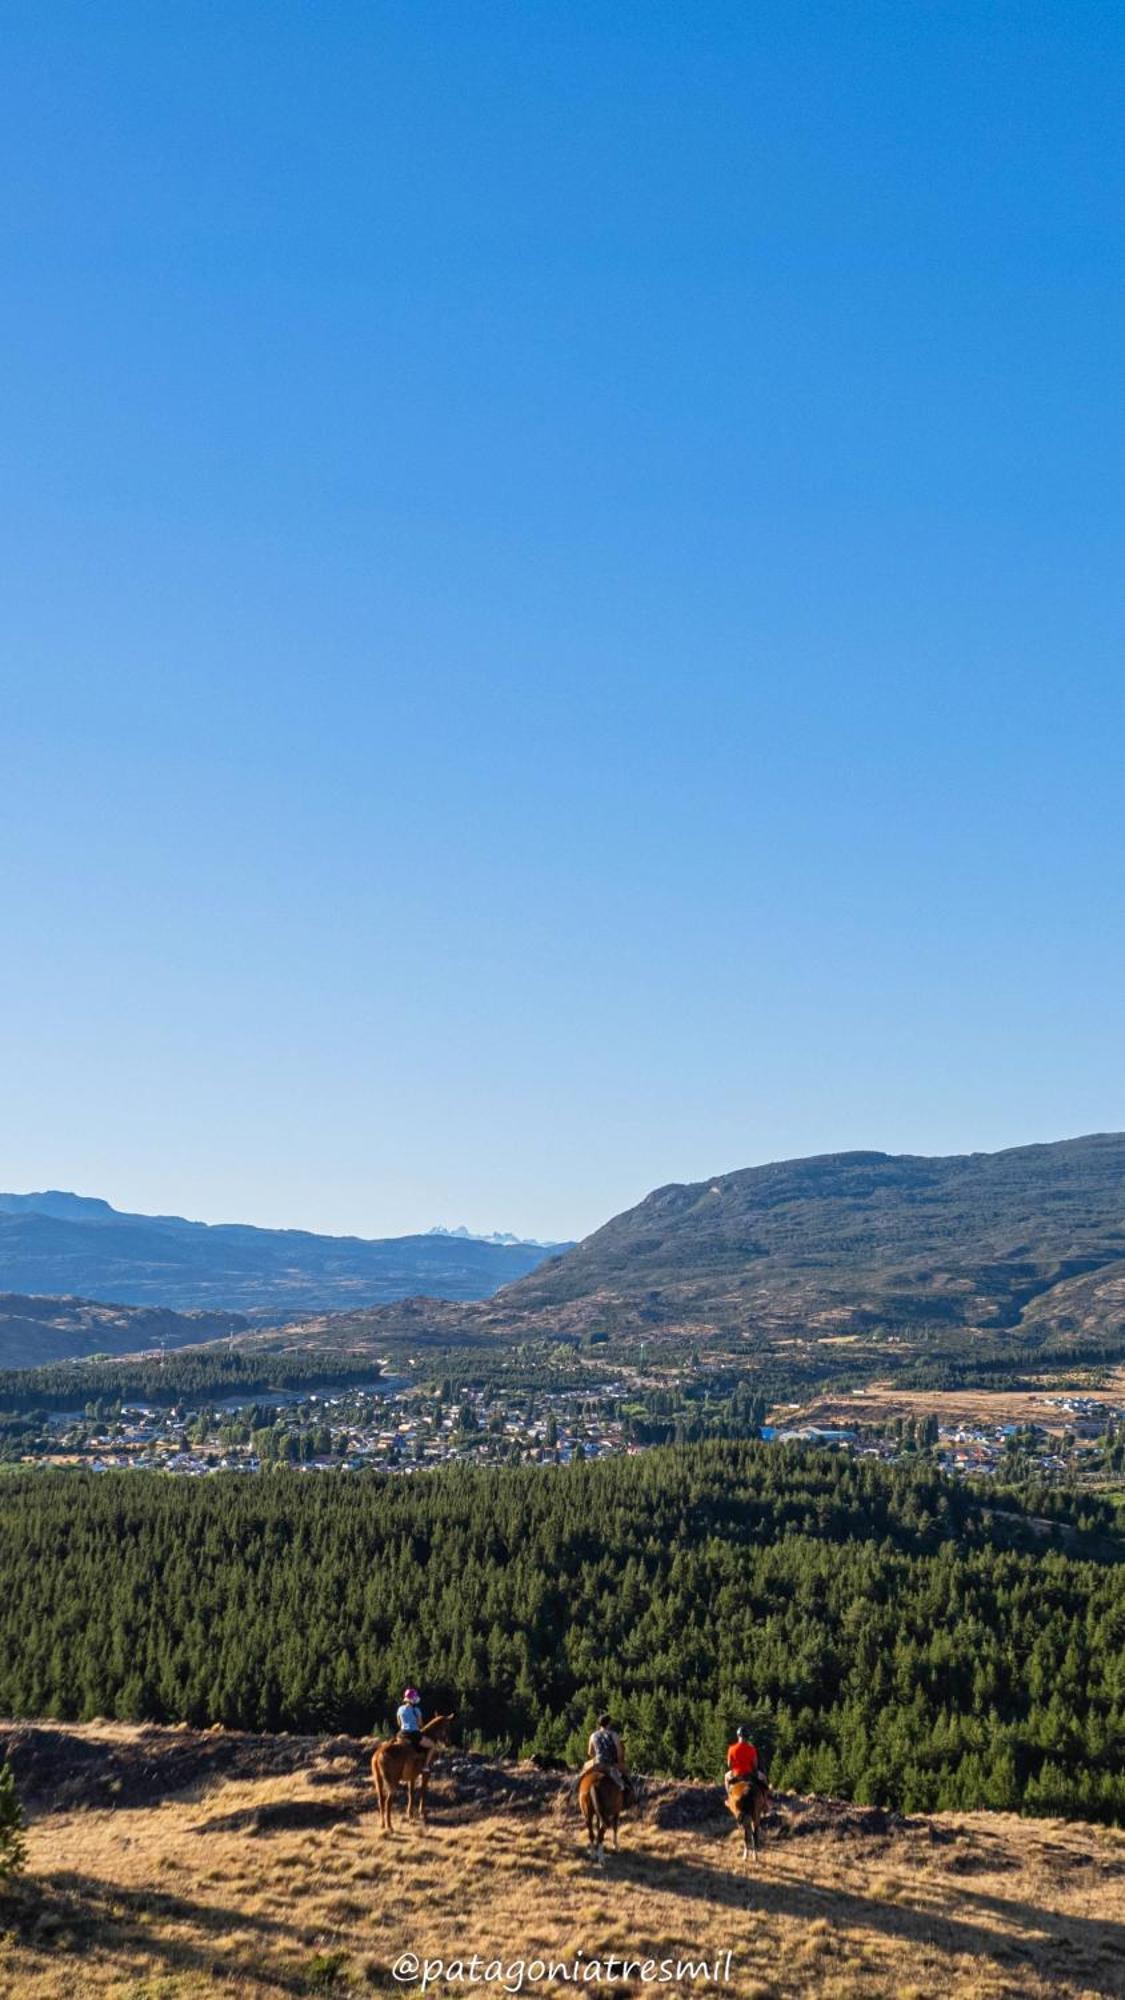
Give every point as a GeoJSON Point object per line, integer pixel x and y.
{"type": "Point", "coordinates": [747, 1799]}
{"type": "Point", "coordinates": [603, 1801]}
{"type": "Point", "coordinates": [396, 1763]}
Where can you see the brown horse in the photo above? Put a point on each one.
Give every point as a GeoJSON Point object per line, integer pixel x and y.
{"type": "Point", "coordinates": [603, 1801]}
{"type": "Point", "coordinates": [748, 1799]}
{"type": "Point", "coordinates": [397, 1763]}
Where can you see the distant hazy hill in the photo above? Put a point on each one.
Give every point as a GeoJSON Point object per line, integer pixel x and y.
{"type": "Point", "coordinates": [34, 1331]}
{"type": "Point", "coordinates": [64, 1243]}
{"type": "Point", "coordinates": [1026, 1245]}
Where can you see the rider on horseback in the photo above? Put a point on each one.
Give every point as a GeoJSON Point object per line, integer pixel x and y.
{"type": "Point", "coordinates": [742, 1760]}
{"type": "Point", "coordinates": [605, 1752]}
{"type": "Point", "coordinates": [409, 1720]}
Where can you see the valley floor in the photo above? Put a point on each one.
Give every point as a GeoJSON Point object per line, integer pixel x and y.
{"type": "Point", "coordinates": [267, 1876]}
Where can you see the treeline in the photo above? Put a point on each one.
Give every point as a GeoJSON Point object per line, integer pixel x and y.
{"type": "Point", "coordinates": [1074, 1508]}
{"type": "Point", "coordinates": [527, 1367]}
{"type": "Point", "coordinates": [1000, 1368]}
{"type": "Point", "coordinates": [218, 1371]}
{"type": "Point", "coordinates": [221, 1371]}
{"type": "Point", "coordinates": [866, 1619]}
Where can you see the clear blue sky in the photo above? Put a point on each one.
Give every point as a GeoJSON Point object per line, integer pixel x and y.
{"type": "Point", "coordinates": [562, 595]}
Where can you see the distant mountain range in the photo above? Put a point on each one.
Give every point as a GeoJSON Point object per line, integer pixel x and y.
{"type": "Point", "coordinates": [496, 1236]}
{"type": "Point", "coordinates": [821, 1260]}
{"type": "Point", "coordinates": [1020, 1249]}
{"type": "Point", "coordinates": [58, 1243]}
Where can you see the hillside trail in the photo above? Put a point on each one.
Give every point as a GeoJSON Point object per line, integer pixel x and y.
{"type": "Point", "coordinates": [169, 1863]}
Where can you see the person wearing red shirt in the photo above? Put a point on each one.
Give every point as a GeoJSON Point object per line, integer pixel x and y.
{"type": "Point", "coordinates": [742, 1758]}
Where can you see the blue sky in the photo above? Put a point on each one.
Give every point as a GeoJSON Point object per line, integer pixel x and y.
{"type": "Point", "coordinates": [561, 598]}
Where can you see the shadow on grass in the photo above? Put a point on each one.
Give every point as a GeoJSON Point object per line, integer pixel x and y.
{"type": "Point", "coordinates": [282, 1816]}
{"type": "Point", "coordinates": [64, 1914]}
{"type": "Point", "coordinates": [1068, 1941]}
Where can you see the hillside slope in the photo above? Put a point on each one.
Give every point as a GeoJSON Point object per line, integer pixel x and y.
{"type": "Point", "coordinates": [62, 1243]}
{"type": "Point", "coordinates": [852, 1239]}
{"type": "Point", "coordinates": [34, 1331]}
{"type": "Point", "coordinates": [900, 1255]}
{"type": "Point", "coordinates": [164, 1863]}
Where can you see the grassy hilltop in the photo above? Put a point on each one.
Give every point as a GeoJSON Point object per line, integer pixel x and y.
{"type": "Point", "coordinates": [169, 1866]}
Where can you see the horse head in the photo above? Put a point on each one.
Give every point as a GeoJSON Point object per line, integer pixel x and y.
{"type": "Point", "coordinates": [438, 1727]}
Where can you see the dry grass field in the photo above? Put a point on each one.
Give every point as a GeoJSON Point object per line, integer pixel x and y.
{"type": "Point", "coordinates": [273, 1885]}
{"type": "Point", "coordinates": [882, 1402]}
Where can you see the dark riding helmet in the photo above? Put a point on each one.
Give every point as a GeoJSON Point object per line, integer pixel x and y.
{"type": "Point", "coordinates": [743, 1733]}
{"type": "Point", "coordinates": [605, 1722]}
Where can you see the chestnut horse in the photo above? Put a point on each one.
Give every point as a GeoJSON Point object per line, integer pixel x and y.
{"type": "Point", "coordinates": [603, 1801]}
{"type": "Point", "coordinates": [747, 1799]}
{"type": "Point", "coordinates": [397, 1763]}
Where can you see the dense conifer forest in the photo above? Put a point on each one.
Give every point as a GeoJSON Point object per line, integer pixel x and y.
{"type": "Point", "coordinates": [892, 1635]}
{"type": "Point", "coordinates": [202, 1371]}
{"type": "Point", "coordinates": [220, 1370]}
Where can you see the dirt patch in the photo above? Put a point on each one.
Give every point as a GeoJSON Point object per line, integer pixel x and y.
{"type": "Point", "coordinates": [61, 1770]}
{"type": "Point", "coordinates": [794, 1818]}
{"type": "Point", "coordinates": [686, 1805]}
{"type": "Point", "coordinates": [466, 1784]}
{"type": "Point", "coordinates": [790, 1817]}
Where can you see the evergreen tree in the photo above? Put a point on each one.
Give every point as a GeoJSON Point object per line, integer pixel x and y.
{"type": "Point", "coordinates": [13, 1847]}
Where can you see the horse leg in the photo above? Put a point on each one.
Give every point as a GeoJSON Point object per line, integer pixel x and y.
{"type": "Point", "coordinates": [394, 1780]}
{"type": "Point", "coordinates": [423, 1777]}
{"type": "Point", "coordinates": [383, 1789]}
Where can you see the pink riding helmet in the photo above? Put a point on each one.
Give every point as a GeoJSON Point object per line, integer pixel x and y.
{"type": "Point", "coordinates": [411, 1694]}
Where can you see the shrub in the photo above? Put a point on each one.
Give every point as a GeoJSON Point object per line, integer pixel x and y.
{"type": "Point", "coordinates": [324, 1971]}
{"type": "Point", "coordinates": [13, 1847]}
